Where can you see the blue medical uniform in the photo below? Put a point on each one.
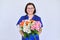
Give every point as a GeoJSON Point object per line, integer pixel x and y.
{"type": "Point", "coordinates": [36, 18]}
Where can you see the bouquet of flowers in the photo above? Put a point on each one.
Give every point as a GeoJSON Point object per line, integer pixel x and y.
{"type": "Point", "coordinates": [30, 27]}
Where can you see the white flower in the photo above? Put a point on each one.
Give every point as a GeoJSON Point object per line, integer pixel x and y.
{"type": "Point", "coordinates": [21, 28]}
{"type": "Point", "coordinates": [26, 28]}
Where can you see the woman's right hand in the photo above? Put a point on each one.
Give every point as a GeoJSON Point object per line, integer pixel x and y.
{"type": "Point", "coordinates": [21, 32]}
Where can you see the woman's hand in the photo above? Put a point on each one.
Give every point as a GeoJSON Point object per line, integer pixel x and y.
{"type": "Point", "coordinates": [40, 31]}
{"type": "Point", "coordinates": [21, 32]}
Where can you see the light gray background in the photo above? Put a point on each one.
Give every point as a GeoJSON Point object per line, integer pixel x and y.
{"type": "Point", "coordinates": [12, 10]}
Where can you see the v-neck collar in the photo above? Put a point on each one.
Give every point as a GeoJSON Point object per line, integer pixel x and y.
{"type": "Point", "coordinates": [31, 18]}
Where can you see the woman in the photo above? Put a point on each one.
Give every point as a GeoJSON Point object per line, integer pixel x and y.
{"type": "Point", "coordinates": [30, 11]}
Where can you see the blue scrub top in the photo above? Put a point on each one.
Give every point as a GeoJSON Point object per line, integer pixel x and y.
{"type": "Point", "coordinates": [35, 17]}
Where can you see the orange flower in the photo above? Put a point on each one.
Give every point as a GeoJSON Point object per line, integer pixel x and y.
{"type": "Point", "coordinates": [32, 21]}
{"type": "Point", "coordinates": [22, 24]}
{"type": "Point", "coordinates": [27, 22]}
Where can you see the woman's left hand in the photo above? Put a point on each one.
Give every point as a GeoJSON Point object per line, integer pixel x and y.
{"type": "Point", "coordinates": [40, 31]}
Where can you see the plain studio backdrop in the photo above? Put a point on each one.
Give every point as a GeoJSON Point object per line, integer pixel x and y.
{"type": "Point", "coordinates": [12, 10]}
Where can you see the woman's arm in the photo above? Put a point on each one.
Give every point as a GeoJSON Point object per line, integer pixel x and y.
{"type": "Point", "coordinates": [21, 32]}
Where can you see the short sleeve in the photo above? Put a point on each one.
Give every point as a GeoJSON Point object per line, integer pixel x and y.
{"type": "Point", "coordinates": [20, 20]}
{"type": "Point", "coordinates": [40, 21]}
